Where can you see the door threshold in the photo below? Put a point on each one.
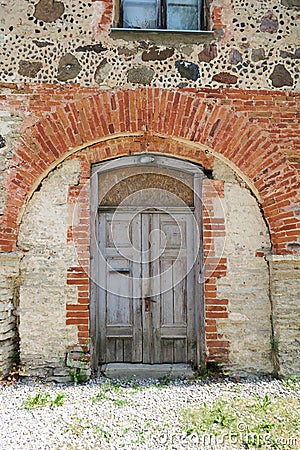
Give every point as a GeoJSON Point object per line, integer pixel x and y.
{"type": "Point", "coordinates": [143, 371]}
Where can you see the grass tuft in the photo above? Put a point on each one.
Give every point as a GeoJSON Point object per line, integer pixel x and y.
{"type": "Point", "coordinates": [253, 423]}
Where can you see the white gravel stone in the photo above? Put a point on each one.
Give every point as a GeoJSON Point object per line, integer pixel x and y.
{"type": "Point", "coordinates": [130, 415]}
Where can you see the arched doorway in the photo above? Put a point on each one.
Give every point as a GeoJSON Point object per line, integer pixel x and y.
{"type": "Point", "coordinates": [146, 262]}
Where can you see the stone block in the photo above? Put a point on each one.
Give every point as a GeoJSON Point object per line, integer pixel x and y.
{"type": "Point", "coordinates": [285, 282]}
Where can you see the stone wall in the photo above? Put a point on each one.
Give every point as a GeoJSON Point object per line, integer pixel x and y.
{"type": "Point", "coordinates": [9, 311]}
{"type": "Point", "coordinates": [254, 45]}
{"type": "Point", "coordinates": [71, 85]}
{"type": "Point", "coordinates": [285, 288]}
{"type": "Point", "coordinates": [44, 293]}
{"type": "Point", "coordinates": [246, 284]}
{"type": "Point", "coordinates": [53, 309]}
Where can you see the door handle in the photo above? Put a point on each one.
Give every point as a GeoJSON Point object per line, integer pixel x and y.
{"type": "Point", "coordinates": [148, 301]}
{"type": "Point", "coordinates": [120, 269]}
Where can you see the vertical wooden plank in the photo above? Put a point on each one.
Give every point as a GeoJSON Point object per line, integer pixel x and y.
{"type": "Point", "coordinates": [119, 357]}
{"type": "Point", "coordinates": [121, 279]}
{"type": "Point", "coordinates": [102, 292]}
{"type": "Point", "coordinates": [180, 350]}
{"type": "Point", "coordinates": [137, 337]}
{"type": "Point", "coordinates": [146, 273]}
{"type": "Point", "coordinates": [118, 17]}
{"type": "Point", "coordinates": [119, 302]}
{"type": "Point", "coordinates": [167, 351]}
{"type": "Point", "coordinates": [94, 300]}
{"type": "Point", "coordinates": [198, 278]}
{"type": "Point", "coordinates": [172, 274]}
{"type": "Point", "coordinates": [206, 15]}
{"type": "Point", "coordinates": [167, 294]}
{"type": "Point", "coordinates": [155, 270]}
{"type": "Point", "coordinates": [179, 291]}
{"type": "Point", "coordinates": [128, 349]}
{"type": "Point", "coordinates": [110, 349]}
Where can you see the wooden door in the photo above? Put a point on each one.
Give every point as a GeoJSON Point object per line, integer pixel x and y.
{"type": "Point", "coordinates": [146, 309]}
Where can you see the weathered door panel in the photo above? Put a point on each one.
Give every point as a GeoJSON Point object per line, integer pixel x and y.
{"type": "Point", "coordinates": [147, 295]}
{"type": "Point", "coordinates": [168, 243]}
{"type": "Point", "coordinates": [120, 277]}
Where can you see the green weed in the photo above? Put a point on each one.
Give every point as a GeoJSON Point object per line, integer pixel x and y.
{"type": "Point", "coordinates": [292, 382]}
{"type": "Point", "coordinates": [102, 432]}
{"type": "Point", "coordinates": [263, 403]}
{"type": "Point", "coordinates": [78, 425]}
{"type": "Point", "coordinates": [58, 401]}
{"type": "Point", "coordinates": [38, 401]}
{"type": "Point", "coordinates": [41, 400]}
{"type": "Point", "coordinates": [165, 380]}
{"type": "Point", "coordinates": [78, 375]}
{"type": "Point", "coordinates": [112, 393]}
{"type": "Point", "coordinates": [210, 370]}
{"type": "Point", "coordinates": [207, 417]}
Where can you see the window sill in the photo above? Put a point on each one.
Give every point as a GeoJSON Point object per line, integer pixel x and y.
{"type": "Point", "coordinates": [163, 37]}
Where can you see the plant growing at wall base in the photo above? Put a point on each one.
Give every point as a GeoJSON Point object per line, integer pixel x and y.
{"type": "Point", "coordinates": [210, 370]}
{"type": "Point", "coordinates": [292, 382]}
{"type": "Point", "coordinates": [275, 354]}
{"type": "Point", "coordinates": [78, 375]}
{"type": "Point", "coordinates": [165, 380]}
{"type": "Point", "coordinates": [78, 362]}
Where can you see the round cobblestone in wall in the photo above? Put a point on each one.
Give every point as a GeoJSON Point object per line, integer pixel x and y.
{"type": "Point", "coordinates": [269, 23]}
{"type": "Point", "coordinates": [29, 69]}
{"type": "Point", "coordinates": [48, 10]}
{"type": "Point", "coordinates": [187, 70]}
{"type": "Point", "coordinates": [140, 75]}
{"type": "Point", "coordinates": [102, 71]}
{"type": "Point", "coordinates": [2, 141]}
{"type": "Point", "coordinates": [68, 67]}
{"type": "Point", "coordinates": [281, 76]}
{"type": "Point", "coordinates": [155, 53]}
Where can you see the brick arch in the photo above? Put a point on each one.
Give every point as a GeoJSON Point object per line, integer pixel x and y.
{"type": "Point", "coordinates": [199, 118]}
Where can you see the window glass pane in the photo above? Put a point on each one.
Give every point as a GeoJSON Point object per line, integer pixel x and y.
{"type": "Point", "coordinates": [141, 14]}
{"type": "Point", "coordinates": [182, 14]}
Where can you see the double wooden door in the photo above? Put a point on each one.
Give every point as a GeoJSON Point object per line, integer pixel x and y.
{"type": "Point", "coordinates": [146, 308]}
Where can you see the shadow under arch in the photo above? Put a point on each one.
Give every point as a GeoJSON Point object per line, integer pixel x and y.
{"type": "Point", "coordinates": [190, 151]}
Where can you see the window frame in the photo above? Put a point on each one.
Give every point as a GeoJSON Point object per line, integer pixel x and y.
{"type": "Point", "coordinates": [203, 17]}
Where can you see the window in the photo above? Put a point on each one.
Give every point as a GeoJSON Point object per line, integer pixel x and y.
{"type": "Point", "coordinates": [162, 14]}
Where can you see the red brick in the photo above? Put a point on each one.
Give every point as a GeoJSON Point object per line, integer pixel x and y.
{"type": "Point", "coordinates": [77, 314]}
{"type": "Point", "coordinates": [217, 343]}
{"type": "Point", "coordinates": [216, 315]}
{"type": "Point", "coordinates": [211, 328]}
{"type": "Point", "coordinates": [78, 281]}
{"type": "Point", "coordinates": [216, 308]}
{"type": "Point", "coordinates": [212, 301]}
{"type": "Point", "coordinates": [218, 350]}
{"type": "Point", "coordinates": [77, 321]}
{"type": "Point", "coordinates": [76, 307]}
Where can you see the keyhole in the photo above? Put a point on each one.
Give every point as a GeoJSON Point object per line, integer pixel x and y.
{"type": "Point", "coordinates": [147, 304]}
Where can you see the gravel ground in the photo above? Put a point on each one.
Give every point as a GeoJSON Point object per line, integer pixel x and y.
{"type": "Point", "coordinates": [128, 415]}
